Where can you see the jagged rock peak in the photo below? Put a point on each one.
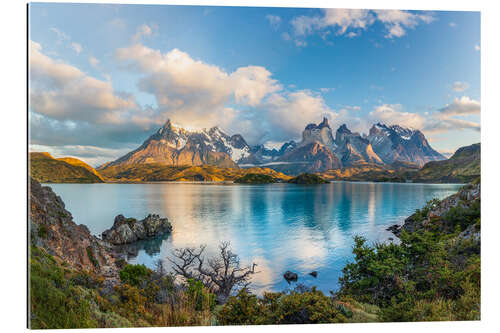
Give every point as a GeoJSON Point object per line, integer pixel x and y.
{"type": "Point", "coordinates": [324, 123]}
{"type": "Point", "coordinates": [343, 129]}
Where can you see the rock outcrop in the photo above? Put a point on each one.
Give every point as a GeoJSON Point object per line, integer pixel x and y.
{"type": "Point", "coordinates": [53, 229]}
{"type": "Point", "coordinates": [129, 230]}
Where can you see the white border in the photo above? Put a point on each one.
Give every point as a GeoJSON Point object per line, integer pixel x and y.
{"type": "Point", "coordinates": [13, 166]}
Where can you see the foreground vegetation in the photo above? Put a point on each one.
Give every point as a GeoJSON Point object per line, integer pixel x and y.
{"type": "Point", "coordinates": [432, 274]}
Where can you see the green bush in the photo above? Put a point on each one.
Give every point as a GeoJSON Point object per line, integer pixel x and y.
{"type": "Point", "coordinates": [430, 275]}
{"type": "Point", "coordinates": [134, 274]}
{"type": "Point", "coordinates": [307, 307]}
{"type": "Point", "coordinates": [199, 296]}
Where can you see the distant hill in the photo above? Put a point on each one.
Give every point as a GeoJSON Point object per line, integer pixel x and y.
{"type": "Point", "coordinates": [464, 166]}
{"type": "Point", "coordinates": [47, 169]}
{"type": "Point", "coordinates": [159, 172]}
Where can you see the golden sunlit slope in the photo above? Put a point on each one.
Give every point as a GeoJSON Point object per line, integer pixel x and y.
{"type": "Point", "coordinates": [161, 172]}
{"type": "Point", "coordinates": [46, 169]}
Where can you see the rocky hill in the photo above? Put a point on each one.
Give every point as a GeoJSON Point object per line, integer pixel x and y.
{"type": "Point", "coordinates": [47, 169]}
{"type": "Point", "coordinates": [53, 229]}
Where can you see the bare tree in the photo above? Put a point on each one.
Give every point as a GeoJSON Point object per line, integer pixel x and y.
{"type": "Point", "coordinates": [219, 274]}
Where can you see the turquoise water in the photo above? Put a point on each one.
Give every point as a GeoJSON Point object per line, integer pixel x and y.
{"type": "Point", "coordinates": [280, 226]}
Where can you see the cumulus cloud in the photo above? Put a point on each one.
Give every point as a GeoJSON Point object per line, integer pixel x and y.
{"type": "Point", "coordinates": [398, 21]}
{"type": "Point", "coordinates": [63, 92]}
{"type": "Point", "coordinates": [274, 21]}
{"type": "Point", "coordinates": [459, 86]}
{"type": "Point", "coordinates": [288, 112]}
{"type": "Point", "coordinates": [393, 114]}
{"type": "Point", "coordinates": [193, 92]}
{"type": "Point", "coordinates": [462, 106]}
{"type": "Point", "coordinates": [436, 122]}
{"type": "Point", "coordinates": [351, 22]}
{"type": "Point", "coordinates": [477, 47]}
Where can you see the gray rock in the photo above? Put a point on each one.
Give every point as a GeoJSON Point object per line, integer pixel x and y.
{"type": "Point", "coordinates": [129, 230]}
{"type": "Point", "coordinates": [290, 276]}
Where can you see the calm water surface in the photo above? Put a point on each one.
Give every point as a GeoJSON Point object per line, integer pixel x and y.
{"type": "Point", "coordinates": [280, 226]}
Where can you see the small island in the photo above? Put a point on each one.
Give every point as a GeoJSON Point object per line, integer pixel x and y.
{"type": "Point", "coordinates": [255, 178]}
{"type": "Point", "coordinates": [129, 230]}
{"type": "Point", "coordinates": [308, 178]}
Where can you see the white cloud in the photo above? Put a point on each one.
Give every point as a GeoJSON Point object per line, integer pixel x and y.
{"type": "Point", "coordinates": [92, 155]}
{"type": "Point", "coordinates": [397, 21]}
{"type": "Point", "coordinates": [143, 31]}
{"type": "Point", "coordinates": [437, 122]}
{"type": "Point", "coordinates": [61, 36]}
{"type": "Point", "coordinates": [462, 106]}
{"type": "Point", "coordinates": [93, 61]}
{"type": "Point", "coordinates": [452, 24]}
{"type": "Point", "coordinates": [288, 112]}
{"type": "Point", "coordinates": [76, 47]}
{"type": "Point", "coordinates": [63, 92]}
{"type": "Point", "coordinates": [459, 86]}
{"type": "Point", "coordinates": [274, 21]}
{"type": "Point", "coordinates": [351, 22]}
{"type": "Point", "coordinates": [193, 92]}
{"type": "Point", "coordinates": [477, 47]}
{"type": "Point", "coordinates": [392, 114]}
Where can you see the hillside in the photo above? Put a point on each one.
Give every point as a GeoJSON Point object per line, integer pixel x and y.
{"type": "Point", "coordinates": [433, 273]}
{"type": "Point", "coordinates": [464, 166]}
{"type": "Point", "coordinates": [160, 172]}
{"type": "Point", "coordinates": [46, 169]}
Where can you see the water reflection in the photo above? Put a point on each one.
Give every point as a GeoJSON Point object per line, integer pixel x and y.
{"type": "Point", "coordinates": [280, 227]}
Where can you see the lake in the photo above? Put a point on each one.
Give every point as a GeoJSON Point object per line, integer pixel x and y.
{"type": "Point", "coordinates": [278, 226]}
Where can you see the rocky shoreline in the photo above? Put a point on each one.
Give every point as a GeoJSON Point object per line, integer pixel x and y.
{"type": "Point", "coordinates": [437, 209]}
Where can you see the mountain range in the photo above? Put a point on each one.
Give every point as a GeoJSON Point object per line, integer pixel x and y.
{"type": "Point", "coordinates": [319, 150]}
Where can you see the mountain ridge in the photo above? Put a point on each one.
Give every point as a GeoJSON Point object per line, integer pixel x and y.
{"type": "Point", "coordinates": [319, 150]}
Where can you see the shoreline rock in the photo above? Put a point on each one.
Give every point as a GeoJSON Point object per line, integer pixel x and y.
{"type": "Point", "coordinates": [129, 230]}
{"type": "Point", "coordinates": [290, 276]}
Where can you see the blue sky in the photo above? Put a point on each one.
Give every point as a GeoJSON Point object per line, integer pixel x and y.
{"type": "Point", "coordinates": [104, 77]}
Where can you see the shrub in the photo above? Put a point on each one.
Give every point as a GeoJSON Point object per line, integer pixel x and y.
{"type": "Point", "coordinates": [199, 296]}
{"type": "Point", "coordinates": [133, 274]}
{"type": "Point", "coordinates": [282, 308]}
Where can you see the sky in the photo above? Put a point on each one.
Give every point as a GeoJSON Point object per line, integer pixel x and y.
{"type": "Point", "coordinates": [103, 78]}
